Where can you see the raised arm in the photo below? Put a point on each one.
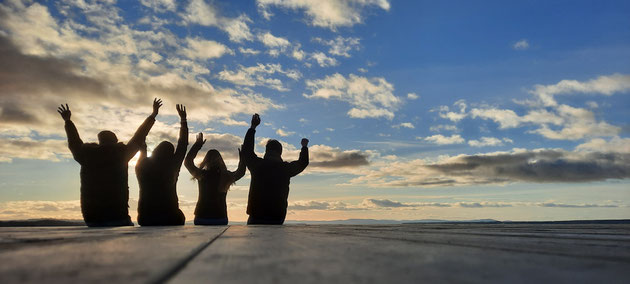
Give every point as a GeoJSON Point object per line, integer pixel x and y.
{"type": "Point", "coordinates": [189, 162]}
{"type": "Point", "coordinates": [298, 166]}
{"type": "Point", "coordinates": [74, 141]}
{"type": "Point", "coordinates": [240, 171]}
{"type": "Point", "coordinates": [182, 142]}
{"type": "Point", "coordinates": [248, 154]}
{"type": "Point", "coordinates": [136, 141]}
{"type": "Point", "coordinates": [143, 155]}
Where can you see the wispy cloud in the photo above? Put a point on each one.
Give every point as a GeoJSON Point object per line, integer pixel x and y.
{"type": "Point", "coordinates": [259, 75]}
{"type": "Point", "coordinates": [444, 140]}
{"type": "Point", "coordinates": [369, 97]}
{"type": "Point", "coordinates": [326, 13]}
{"type": "Point", "coordinates": [522, 44]}
{"type": "Point", "coordinates": [203, 13]}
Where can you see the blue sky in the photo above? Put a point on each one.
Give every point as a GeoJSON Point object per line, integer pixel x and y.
{"type": "Point", "coordinates": [414, 109]}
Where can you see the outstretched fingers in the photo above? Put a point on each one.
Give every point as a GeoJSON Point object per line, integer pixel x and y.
{"type": "Point", "coordinates": [181, 110]}
{"type": "Point", "coordinates": [64, 111]}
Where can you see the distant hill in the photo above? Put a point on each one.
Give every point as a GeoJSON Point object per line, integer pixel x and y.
{"type": "Point", "coordinates": [41, 223]}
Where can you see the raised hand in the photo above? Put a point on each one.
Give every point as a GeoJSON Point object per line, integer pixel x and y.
{"type": "Point", "coordinates": [157, 103]}
{"type": "Point", "coordinates": [181, 110]}
{"type": "Point", "coordinates": [304, 142]}
{"type": "Point", "coordinates": [65, 112]}
{"type": "Point", "coordinates": [255, 120]}
{"type": "Point", "coordinates": [200, 139]}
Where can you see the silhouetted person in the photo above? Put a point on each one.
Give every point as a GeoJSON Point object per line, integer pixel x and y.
{"type": "Point", "coordinates": [104, 188]}
{"type": "Point", "coordinates": [214, 182]}
{"type": "Point", "coordinates": [157, 177]}
{"type": "Point", "coordinates": [269, 187]}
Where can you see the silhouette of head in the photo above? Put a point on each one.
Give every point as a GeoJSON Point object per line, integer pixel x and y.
{"type": "Point", "coordinates": [164, 150]}
{"type": "Point", "coordinates": [107, 137]}
{"type": "Point", "coordinates": [213, 160]}
{"type": "Point", "coordinates": [273, 146]}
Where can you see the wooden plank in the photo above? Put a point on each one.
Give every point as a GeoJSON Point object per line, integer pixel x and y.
{"type": "Point", "coordinates": [95, 255]}
{"type": "Point", "coordinates": [412, 254]}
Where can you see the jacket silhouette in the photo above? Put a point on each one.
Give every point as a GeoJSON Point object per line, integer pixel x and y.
{"type": "Point", "coordinates": [214, 181]}
{"type": "Point", "coordinates": [157, 178]}
{"type": "Point", "coordinates": [104, 187]}
{"type": "Point", "coordinates": [269, 187]}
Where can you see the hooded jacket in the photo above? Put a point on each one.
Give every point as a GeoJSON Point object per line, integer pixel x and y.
{"type": "Point", "coordinates": [269, 187]}
{"type": "Point", "coordinates": [104, 187]}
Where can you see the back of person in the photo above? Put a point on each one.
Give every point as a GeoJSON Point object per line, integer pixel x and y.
{"type": "Point", "coordinates": [211, 203]}
{"type": "Point", "coordinates": [269, 189]}
{"type": "Point", "coordinates": [158, 203]}
{"type": "Point", "coordinates": [104, 190]}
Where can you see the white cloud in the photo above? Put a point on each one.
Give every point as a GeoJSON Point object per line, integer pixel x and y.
{"type": "Point", "coordinates": [369, 97]}
{"type": "Point", "coordinates": [444, 140]}
{"type": "Point", "coordinates": [615, 144]}
{"type": "Point", "coordinates": [445, 127]}
{"type": "Point", "coordinates": [160, 5]}
{"type": "Point", "coordinates": [284, 133]}
{"type": "Point", "coordinates": [488, 141]}
{"type": "Point", "coordinates": [522, 44]}
{"type": "Point", "coordinates": [259, 75]}
{"type": "Point", "coordinates": [603, 85]}
{"type": "Point", "coordinates": [323, 60]}
{"type": "Point", "coordinates": [326, 13]}
{"type": "Point", "coordinates": [451, 115]}
{"type": "Point", "coordinates": [405, 125]}
{"type": "Point", "coordinates": [229, 121]}
{"type": "Point", "coordinates": [412, 96]}
{"type": "Point", "coordinates": [554, 120]}
{"type": "Point", "coordinates": [248, 51]}
{"type": "Point", "coordinates": [297, 53]}
{"type": "Point", "coordinates": [205, 49]}
{"type": "Point", "coordinates": [272, 41]}
{"type": "Point", "coordinates": [506, 118]}
{"type": "Point", "coordinates": [340, 46]}
{"type": "Point", "coordinates": [202, 13]}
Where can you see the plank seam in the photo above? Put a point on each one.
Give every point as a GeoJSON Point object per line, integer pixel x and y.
{"type": "Point", "coordinates": [175, 269]}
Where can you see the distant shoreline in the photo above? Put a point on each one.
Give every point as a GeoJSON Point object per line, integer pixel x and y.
{"type": "Point", "coordinates": [67, 223]}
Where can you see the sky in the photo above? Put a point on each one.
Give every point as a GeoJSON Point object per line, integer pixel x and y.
{"type": "Point", "coordinates": [451, 110]}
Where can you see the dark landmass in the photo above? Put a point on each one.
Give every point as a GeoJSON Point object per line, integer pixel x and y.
{"type": "Point", "coordinates": [41, 223]}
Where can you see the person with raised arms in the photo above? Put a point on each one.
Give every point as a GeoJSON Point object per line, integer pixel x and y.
{"type": "Point", "coordinates": [104, 180]}
{"type": "Point", "coordinates": [214, 181]}
{"type": "Point", "coordinates": [269, 187]}
{"type": "Point", "coordinates": [157, 177]}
